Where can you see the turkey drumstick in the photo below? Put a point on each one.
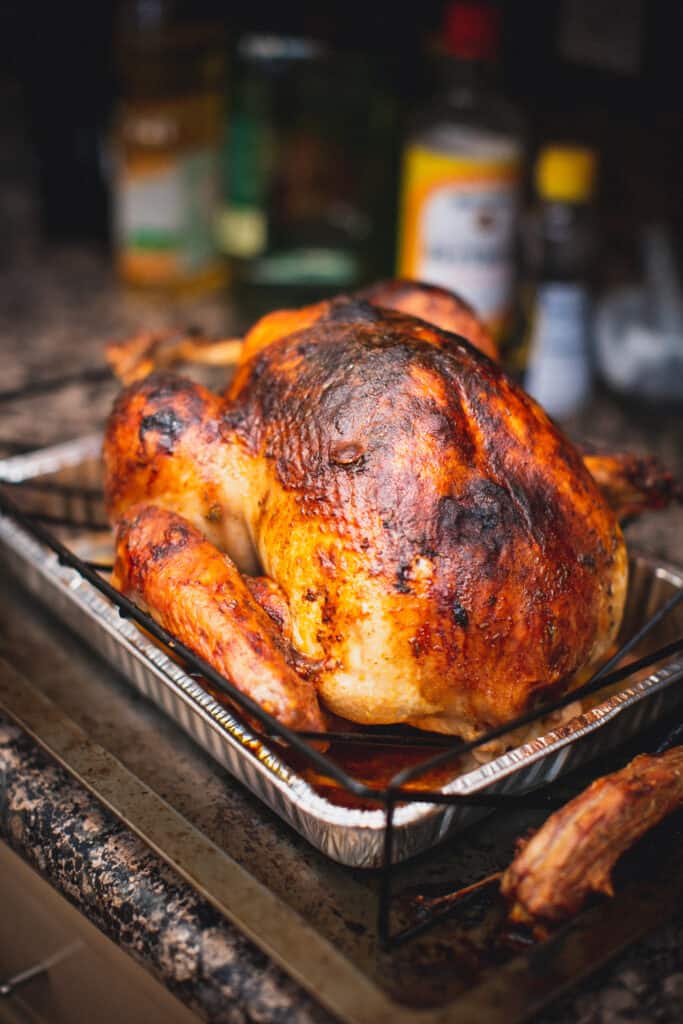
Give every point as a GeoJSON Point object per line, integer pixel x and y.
{"type": "Point", "coordinates": [574, 852]}
{"type": "Point", "coordinates": [197, 594]}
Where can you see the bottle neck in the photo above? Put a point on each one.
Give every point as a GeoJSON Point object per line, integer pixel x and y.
{"type": "Point", "coordinates": [468, 94]}
{"type": "Point", "coordinates": [463, 80]}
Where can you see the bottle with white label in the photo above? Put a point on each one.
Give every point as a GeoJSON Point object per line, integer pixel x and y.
{"type": "Point", "coordinates": [165, 147]}
{"type": "Point", "coordinates": [461, 175]}
{"type": "Point", "coordinates": [559, 370]}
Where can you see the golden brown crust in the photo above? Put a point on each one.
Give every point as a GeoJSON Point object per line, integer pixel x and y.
{"type": "Point", "coordinates": [165, 443]}
{"type": "Point", "coordinates": [153, 424]}
{"type": "Point", "coordinates": [444, 553]}
{"type": "Point", "coordinates": [196, 592]}
{"type": "Point", "coordinates": [406, 472]}
{"type": "Point", "coordinates": [271, 598]}
{"type": "Point", "coordinates": [574, 852]}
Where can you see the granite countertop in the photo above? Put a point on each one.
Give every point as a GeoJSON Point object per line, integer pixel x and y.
{"type": "Point", "coordinates": [134, 897]}
{"type": "Point", "coordinates": [57, 310]}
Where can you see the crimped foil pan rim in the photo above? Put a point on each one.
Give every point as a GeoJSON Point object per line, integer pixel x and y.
{"type": "Point", "coordinates": [292, 786]}
{"type": "Point", "coordinates": [18, 468]}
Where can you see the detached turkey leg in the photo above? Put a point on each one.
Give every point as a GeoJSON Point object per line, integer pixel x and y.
{"type": "Point", "coordinates": [574, 852]}
{"type": "Point", "coordinates": [164, 564]}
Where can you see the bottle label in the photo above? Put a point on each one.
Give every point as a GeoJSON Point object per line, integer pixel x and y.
{"type": "Point", "coordinates": [306, 266]}
{"type": "Point", "coordinates": [559, 371]}
{"type": "Point", "coordinates": [242, 227]}
{"type": "Point", "coordinates": [458, 227]}
{"type": "Point", "coordinates": [164, 216]}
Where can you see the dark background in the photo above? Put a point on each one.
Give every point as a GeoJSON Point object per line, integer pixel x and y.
{"type": "Point", "coordinates": [58, 85]}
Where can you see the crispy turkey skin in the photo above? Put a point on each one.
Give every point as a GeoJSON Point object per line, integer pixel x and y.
{"type": "Point", "coordinates": [445, 555]}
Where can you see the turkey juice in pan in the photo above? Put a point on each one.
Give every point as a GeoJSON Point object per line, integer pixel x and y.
{"type": "Point", "coordinates": [373, 521]}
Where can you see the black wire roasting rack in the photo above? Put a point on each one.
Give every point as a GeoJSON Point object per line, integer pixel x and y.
{"type": "Point", "coordinates": [404, 787]}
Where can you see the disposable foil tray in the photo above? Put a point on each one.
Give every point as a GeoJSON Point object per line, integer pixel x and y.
{"type": "Point", "coordinates": [350, 835]}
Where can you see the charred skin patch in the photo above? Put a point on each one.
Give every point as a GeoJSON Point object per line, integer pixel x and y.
{"type": "Point", "coordinates": [175, 539]}
{"type": "Point", "coordinates": [323, 416]}
{"type": "Point", "coordinates": [421, 641]}
{"type": "Point", "coordinates": [156, 425]}
{"type": "Point", "coordinates": [232, 421]}
{"type": "Point", "coordinates": [162, 408]}
{"type": "Point", "coordinates": [483, 514]}
{"type": "Point", "coordinates": [167, 424]}
{"type": "Point", "coordinates": [402, 583]}
{"type": "Point", "coordinates": [171, 407]}
{"type": "Point", "coordinates": [460, 616]}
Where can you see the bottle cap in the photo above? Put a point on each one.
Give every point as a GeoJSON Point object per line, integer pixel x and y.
{"type": "Point", "coordinates": [566, 173]}
{"type": "Point", "coordinates": [472, 30]}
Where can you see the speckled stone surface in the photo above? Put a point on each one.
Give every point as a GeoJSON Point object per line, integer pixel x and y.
{"type": "Point", "coordinates": [57, 308]}
{"type": "Point", "coordinates": [134, 898]}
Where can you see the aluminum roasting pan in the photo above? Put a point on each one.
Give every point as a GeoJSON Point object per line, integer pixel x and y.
{"type": "Point", "coordinates": [349, 836]}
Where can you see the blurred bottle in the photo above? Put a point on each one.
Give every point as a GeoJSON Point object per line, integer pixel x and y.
{"type": "Point", "coordinates": [166, 146]}
{"type": "Point", "coordinates": [462, 170]}
{"type": "Point", "coordinates": [639, 327]}
{"type": "Point", "coordinates": [308, 177]}
{"type": "Point", "coordinates": [559, 372]}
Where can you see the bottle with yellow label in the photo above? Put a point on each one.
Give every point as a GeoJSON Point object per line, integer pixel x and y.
{"type": "Point", "coordinates": [461, 175]}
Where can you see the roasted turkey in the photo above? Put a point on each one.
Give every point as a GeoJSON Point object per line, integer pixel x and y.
{"type": "Point", "coordinates": [373, 517]}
